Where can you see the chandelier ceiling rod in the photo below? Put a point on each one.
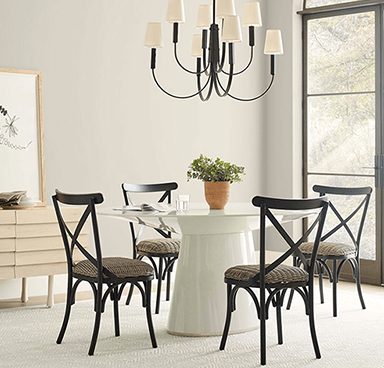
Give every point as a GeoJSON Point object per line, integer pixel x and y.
{"type": "Point", "coordinates": [210, 52]}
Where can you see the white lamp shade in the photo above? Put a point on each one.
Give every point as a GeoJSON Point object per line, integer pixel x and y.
{"type": "Point", "coordinates": [204, 16]}
{"type": "Point", "coordinates": [252, 14]}
{"type": "Point", "coordinates": [273, 42]}
{"type": "Point", "coordinates": [153, 35]}
{"type": "Point", "coordinates": [231, 29]}
{"type": "Point", "coordinates": [197, 50]}
{"type": "Point", "coordinates": [224, 8]}
{"type": "Point", "coordinates": [175, 11]}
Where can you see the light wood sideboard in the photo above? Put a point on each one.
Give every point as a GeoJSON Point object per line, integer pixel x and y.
{"type": "Point", "coordinates": [31, 245]}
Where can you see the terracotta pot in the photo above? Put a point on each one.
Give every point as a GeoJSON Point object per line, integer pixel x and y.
{"type": "Point", "coordinates": [216, 194]}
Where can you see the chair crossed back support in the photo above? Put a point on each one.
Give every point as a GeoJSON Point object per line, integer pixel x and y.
{"type": "Point", "coordinates": [165, 188]}
{"type": "Point", "coordinates": [362, 207]}
{"type": "Point", "coordinates": [116, 273]}
{"type": "Point", "coordinates": [341, 252]}
{"type": "Point", "coordinates": [70, 238]}
{"type": "Point", "coordinates": [266, 205]}
{"type": "Point", "coordinates": [280, 277]}
{"type": "Point", "coordinates": [161, 250]}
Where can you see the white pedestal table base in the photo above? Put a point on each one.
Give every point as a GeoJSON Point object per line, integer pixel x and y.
{"type": "Point", "coordinates": [199, 302]}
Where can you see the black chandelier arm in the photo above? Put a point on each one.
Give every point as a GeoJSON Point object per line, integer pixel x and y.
{"type": "Point", "coordinates": [200, 89]}
{"type": "Point", "coordinates": [222, 59]}
{"type": "Point", "coordinates": [175, 96]}
{"type": "Point", "coordinates": [253, 98]}
{"type": "Point", "coordinates": [205, 62]}
{"type": "Point", "coordinates": [182, 66]}
{"type": "Point", "coordinates": [229, 83]}
{"type": "Point", "coordinates": [246, 67]}
{"type": "Point", "coordinates": [209, 93]}
{"type": "Point", "coordinates": [204, 44]}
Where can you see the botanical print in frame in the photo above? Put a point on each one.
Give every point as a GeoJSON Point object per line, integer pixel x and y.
{"type": "Point", "coordinates": [21, 133]}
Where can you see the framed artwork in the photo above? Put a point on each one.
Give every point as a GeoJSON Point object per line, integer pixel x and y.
{"type": "Point", "coordinates": [21, 134]}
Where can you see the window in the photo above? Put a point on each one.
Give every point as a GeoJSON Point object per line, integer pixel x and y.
{"type": "Point", "coordinates": [316, 3]}
{"type": "Point", "coordinates": [342, 111]}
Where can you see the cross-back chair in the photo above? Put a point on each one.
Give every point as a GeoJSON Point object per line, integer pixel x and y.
{"type": "Point", "coordinates": [336, 252]}
{"type": "Point", "coordinates": [273, 280]}
{"type": "Point", "coordinates": [165, 249]}
{"type": "Point", "coordinates": [112, 272]}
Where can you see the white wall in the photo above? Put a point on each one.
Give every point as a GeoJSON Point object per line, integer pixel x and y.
{"type": "Point", "coordinates": [106, 122]}
{"type": "Point", "coordinates": [284, 111]}
{"type": "Point", "coordinates": [283, 104]}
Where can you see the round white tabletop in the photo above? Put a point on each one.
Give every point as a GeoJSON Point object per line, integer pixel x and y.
{"type": "Point", "coordinates": [212, 241]}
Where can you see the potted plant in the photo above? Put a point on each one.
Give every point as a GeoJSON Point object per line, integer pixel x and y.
{"type": "Point", "coordinates": [217, 176]}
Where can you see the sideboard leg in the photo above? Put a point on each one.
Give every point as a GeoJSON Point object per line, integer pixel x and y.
{"type": "Point", "coordinates": [50, 300]}
{"type": "Point", "coordinates": [24, 291]}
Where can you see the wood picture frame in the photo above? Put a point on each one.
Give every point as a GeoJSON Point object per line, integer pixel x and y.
{"type": "Point", "coordinates": [22, 133]}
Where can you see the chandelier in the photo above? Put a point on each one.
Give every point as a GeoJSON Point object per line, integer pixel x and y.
{"type": "Point", "coordinates": [214, 46]}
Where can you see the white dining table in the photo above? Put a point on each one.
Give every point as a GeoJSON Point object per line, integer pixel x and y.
{"type": "Point", "coordinates": [212, 241]}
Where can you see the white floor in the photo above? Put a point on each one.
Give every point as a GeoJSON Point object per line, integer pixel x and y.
{"type": "Point", "coordinates": [354, 339]}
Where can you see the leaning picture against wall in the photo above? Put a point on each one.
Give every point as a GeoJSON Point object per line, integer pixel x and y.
{"type": "Point", "coordinates": [21, 133]}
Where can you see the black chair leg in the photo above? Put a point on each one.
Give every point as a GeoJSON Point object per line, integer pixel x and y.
{"type": "Point", "coordinates": [168, 291]}
{"type": "Point", "coordinates": [159, 279]}
{"type": "Point", "coordinates": [289, 304]}
{"type": "Point", "coordinates": [334, 287]}
{"type": "Point", "coordinates": [312, 325]}
{"type": "Point", "coordinates": [70, 298]}
{"type": "Point", "coordinates": [321, 284]}
{"type": "Point", "coordinates": [263, 329]}
{"type": "Point", "coordinates": [278, 320]}
{"type": "Point", "coordinates": [290, 299]}
{"type": "Point", "coordinates": [130, 292]}
{"type": "Point", "coordinates": [228, 318]}
{"type": "Point", "coordinates": [96, 326]}
{"type": "Point", "coordinates": [147, 287]}
{"type": "Point", "coordinates": [358, 284]}
{"type": "Point", "coordinates": [115, 295]}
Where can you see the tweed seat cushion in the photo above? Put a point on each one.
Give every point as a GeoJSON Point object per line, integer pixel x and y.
{"type": "Point", "coordinates": [282, 274]}
{"type": "Point", "coordinates": [121, 267]}
{"type": "Point", "coordinates": [159, 246]}
{"type": "Point", "coordinates": [329, 249]}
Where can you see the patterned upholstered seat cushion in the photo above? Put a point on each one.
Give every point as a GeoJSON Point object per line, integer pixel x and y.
{"type": "Point", "coordinates": [159, 246]}
{"type": "Point", "coordinates": [329, 249]}
{"type": "Point", "coordinates": [282, 274]}
{"type": "Point", "coordinates": [121, 267]}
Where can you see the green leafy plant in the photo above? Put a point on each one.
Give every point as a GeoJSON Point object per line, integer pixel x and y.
{"type": "Point", "coordinates": [208, 169]}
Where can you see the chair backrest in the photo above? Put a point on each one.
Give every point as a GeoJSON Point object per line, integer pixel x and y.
{"type": "Point", "coordinates": [267, 205]}
{"type": "Point", "coordinates": [364, 193]}
{"type": "Point", "coordinates": [71, 238]}
{"type": "Point", "coordinates": [165, 188]}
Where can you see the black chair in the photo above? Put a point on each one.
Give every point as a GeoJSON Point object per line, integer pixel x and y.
{"type": "Point", "coordinates": [165, 249]}
{"type": "Point", "coordinates": [340, 253]}
{"type": "Point", "coordinates": [276, 278]}
{"type": "Point", "coordinates": [114, 272]}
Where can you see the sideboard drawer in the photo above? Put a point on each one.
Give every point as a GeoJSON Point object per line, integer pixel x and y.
{"type": "Point", "coordinates": [37, 230]}
{"type": "Point", "coordinates": [46, 243]}
{"type": "Point", "coordinates": [45, 256]}
{"type": "Point", "coordinates": [7, 272]}
{"type": "Point", "coordinates": [46, 215]}
{"type": "Point", "coordinates": [38, 270]}
{"type": "Point", "coordinates": [7, 231]}
{"type": "Point", "coordinates": [7, 217]}
{"type": "Point", "coordinates": [7, 245]}
{"type": "Point", "coordinates": [42, 230]}
{"type": "Point", "coordinates": [7, 259]}
{"type": "Point", "coordinates": [40, 257]}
